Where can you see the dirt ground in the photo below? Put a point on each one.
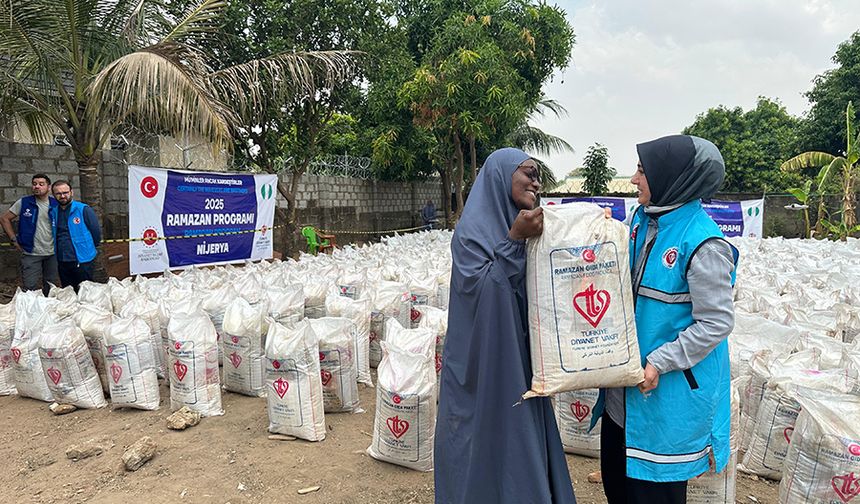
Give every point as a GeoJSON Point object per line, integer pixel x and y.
{"type": "Point", "coordinates": [223, 459]}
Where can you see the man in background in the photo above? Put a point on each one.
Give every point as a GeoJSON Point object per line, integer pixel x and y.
{"type": "Point", "coordinates": [34, 237]}
{"type": "Point", "coordinates": [77, 233]}
{"type": "Point", "coordinates": [428, 214]}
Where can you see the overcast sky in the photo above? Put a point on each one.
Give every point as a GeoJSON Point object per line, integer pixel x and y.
{"type": "Point", "coordinates": [642, 69]}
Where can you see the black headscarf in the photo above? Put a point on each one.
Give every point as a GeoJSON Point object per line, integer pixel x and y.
{"type": "Point", "coordinates": [681, 168]}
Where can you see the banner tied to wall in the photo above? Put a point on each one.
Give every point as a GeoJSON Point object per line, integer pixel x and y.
{"type": "Point", "coordinates": [178, 218]}
{"type": "Point", "coordinates": [735, 218]}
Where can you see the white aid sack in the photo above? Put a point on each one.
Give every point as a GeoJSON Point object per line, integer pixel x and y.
{"type": "Point", "coordinates": [777, 415]}
{"type": "Point", "coordinates": [68, 367]}
{"type": "Point", "coordinates": [359, 312]}
{"type": "Point", "coordinates": [337, 363]}
{"type": "Point", "coordinates": [582, 331]}
{"type": "Point", "coordinates": [405, 420]}
{"type": "Point", "coordinates": [32, 313]}
{"type": "Point", "coordinates": [720, 488]}
{"type": "Point", "coordinates": [7, 371]}
{"type": "Point", "coordinates": [131, 363]}
{"type": "Point", "coordinates": [241, 345]}
{"type": "Point", "coordinates": [294, 391]}
{"type": "Point", "coordinates": [139, 306]}
{"type": "Point", "coordinates": [193, 351]}
{"type": "Point", "coordinates": [388, 300]}
{"type": "Point", "coordinates": [286, 306]}
{"type": "Point", "coordinates": [573, 413]}
{"type": "Point", "coordinates": [64, 294]}
{"type": "Point", "coordinates": [315, 289]}
{"type": "Point", "coordinates": [436, 321]}
{"type": "Point", "coordinates": [823, 461]}
{"type": "Point", "coordinates": [351, 283]}
{"type": "Point", "coordinates": [93, 322]}
{"type": "Point", "coordinates": [423, 291]}
{"type": "Point", "coordinates": [96, 294]}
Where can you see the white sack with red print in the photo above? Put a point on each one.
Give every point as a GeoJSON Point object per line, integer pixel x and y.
{"type": "Point", "coordinates": [193, 366]}
{"type": "Point", "coordinates": [131, 364]}
{"type": "Point", "coordinates": [582, 330]}
{"type": "Point", "coordinates": [573, 413]}
{"type": "Point", "coordinates": [69, 370]}
{"type": "Point", "coordinates": [359, 312]}
{"type": "Point", "coordinates": [241, 345]}
{"type": "Point", "coordinates": [337, 363]}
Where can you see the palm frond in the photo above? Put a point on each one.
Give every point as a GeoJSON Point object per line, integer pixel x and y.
{"type": "Point", "coordinates": [551, 105]}
{"type": "Point", "coordinates": [533, 139]}
{"type": "Point", "coordinates": [812, 159]}
{"type": "Point", "coordinates": [15, 112]}
{"type": "Point", "coordinates": [163, 87]}
{"type": "Point", "coordinates": [834, 168]}
{"type": "Point", "coordinates": [548, 182]}
{"type": "Point", "coordinates": [298, 73]}
{"type": "Point", "coordinates": [202, 18]}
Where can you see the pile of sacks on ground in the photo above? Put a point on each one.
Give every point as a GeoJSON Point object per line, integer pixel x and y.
{"type": "Point", "coordinates": [303, 334]}
{"type": "Point", "coordinates": [795, 356]}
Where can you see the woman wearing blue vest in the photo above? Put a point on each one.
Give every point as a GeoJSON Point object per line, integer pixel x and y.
{"type": "Point", "coordinates": [675, 425]}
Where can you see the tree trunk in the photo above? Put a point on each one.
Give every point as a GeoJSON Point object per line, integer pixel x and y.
{"type": "Point", "coordinates": [473, 154]}
{"type": "Point", "coordinates": [445, 172]}
{"type": "Point", "coordinates": [458, 182]}
{"type": "Point", "coordinates": [849, 217]}
{"type": "Point", "coordinates": [91, 194]}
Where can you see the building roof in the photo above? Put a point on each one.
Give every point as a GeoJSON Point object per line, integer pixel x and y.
{"type": "Point", "coordinates": [618, 185]}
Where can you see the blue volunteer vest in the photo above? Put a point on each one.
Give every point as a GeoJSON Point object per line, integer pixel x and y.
{"type": "Point", "coordinates": [27, 221]}
{"type": "Point", "coordinates": [671, 433]}
{"type": "Point", "coordinates": [82, 239]}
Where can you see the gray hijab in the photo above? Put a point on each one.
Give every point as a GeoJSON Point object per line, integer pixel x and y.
{"type": "Point", "coordinates": [681, 168]}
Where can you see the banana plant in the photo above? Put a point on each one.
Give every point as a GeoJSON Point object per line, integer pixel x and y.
{"type": "Point", "coordinates": [831, 166]}
{"type": "Point", "coordinates": [803, 195]}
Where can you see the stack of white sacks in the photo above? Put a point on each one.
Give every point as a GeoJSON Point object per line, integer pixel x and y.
{"type": "Point", "coordinates": [301, 333]}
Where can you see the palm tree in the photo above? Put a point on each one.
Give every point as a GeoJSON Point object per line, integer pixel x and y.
{"type": "Point", "coordinates": [84, 67]}
{"type": "Point", "coordinates": [534, 140]}
{"type": "Point", "coordinates": [831, 166]}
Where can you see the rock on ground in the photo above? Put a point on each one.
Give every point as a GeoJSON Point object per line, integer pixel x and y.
{"type": "Point", "coordinates": [183, 418]}
{"type": "Point", "coordinates": [139, 453]}
{"type": "Point", "coordinates": [62, 409]}
{"type": "Point", "coordinates": [90, 448]}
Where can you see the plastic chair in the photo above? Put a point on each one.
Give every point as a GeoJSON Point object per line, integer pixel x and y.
{"type": "Point", "coordinates": [315, 244]}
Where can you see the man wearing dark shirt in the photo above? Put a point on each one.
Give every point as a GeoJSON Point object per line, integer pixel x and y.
{"type": "Point", "coordinates": [77, 234]}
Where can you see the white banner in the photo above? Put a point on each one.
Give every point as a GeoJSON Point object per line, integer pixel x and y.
{"type": "Point", "coordinates": [735, 218]}
{"type": "Point", "coordinates": [206, 218]}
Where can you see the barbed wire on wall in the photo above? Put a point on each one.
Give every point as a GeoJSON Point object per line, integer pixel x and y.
{"type": "Point", "coordinates": [341, 166]}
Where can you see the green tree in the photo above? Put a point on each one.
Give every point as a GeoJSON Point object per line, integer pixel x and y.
{"type": "Point", "coordinates": [753, 144]}
{"type": "Point", "coordinates": [538, 142]}
{"type": "Point", "coordinates": [846, 167]}
{"type": "Point", "coordinates": [823, 129]}
{"type": "Point", "coordinates": [596, 170]}
{"type": "Point", "coordinates": [480, 74]}
{"type": "Point", "coordinates": [86, 67]}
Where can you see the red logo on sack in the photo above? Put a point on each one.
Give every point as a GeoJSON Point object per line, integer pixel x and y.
{"type": "Point", "coordinates": [670, 256]}
{"type": "Point", "coordinates": [235, 359]}
{"type": "Point", "coordinates": [149, 187]}
{"type": "Point", "coordinates": [786, 433]}
{"type": "Point", "coordinates": [276, 364]}
{"type": "Point", "coordinates": [281, 386]}
{"type": "Point", "coordinates": [16, 354]}
{"type": "Point", "coordinates": [588, 256]}
{"type": "Point", "coordinates": [49, 353]}
{"type": "Point", "coordinates": [177, 345]}
{"type": "Point", "coordinates": [396, 399]}
{"type": "Point", "coordinates": [415, 315]}
{"type": "Point", "coordinates": [234, 339]}
{"type": "Point", "coordinates": [325, 375]}
{"type": "Point", "coordinates": [322, 356]}
{"type": "Point", "coordinates": [54, 374]}
{"type": "Point", "coordinates": [592, 304]}
{"type": "Point", "coordinates": [397, 426]}
{"type": "Point", "coordinates": [180, 369]}
{"type": "Point", "coordinates": [438, 363]}
{"type": "Point", "coordinates": [115, 372]}
{"type": "Point", "coordinates": [846, 487]}
{"type": "Point", "coordinates": [580, 411]}
{"type": "Point", "coordinates": [854, 449]}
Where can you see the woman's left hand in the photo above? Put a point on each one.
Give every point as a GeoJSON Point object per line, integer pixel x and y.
{"type": "Point", "coordinates": [652, 377]}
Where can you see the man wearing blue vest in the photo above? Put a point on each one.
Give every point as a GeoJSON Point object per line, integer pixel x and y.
{"type": "Point", "coordinates": [77, 233]}
{"type": "Point", "coordinates": [34, 237]}
{"type": "Point", "coordinates": [675, 425]}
